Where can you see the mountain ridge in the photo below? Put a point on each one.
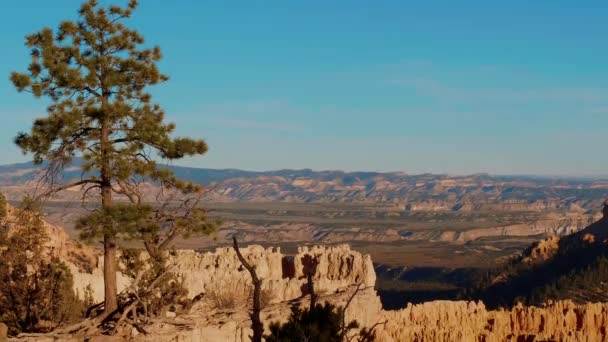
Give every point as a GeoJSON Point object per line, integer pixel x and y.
{"type": "Point", "coordinates": [303, 172]}
{"type": "Point", "coordinates": [423, 192]}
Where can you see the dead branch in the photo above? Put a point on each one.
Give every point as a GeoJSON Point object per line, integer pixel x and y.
{"type": "Point", "coordinates": [124, 315]}
{"type": "Point", "coordinates": [138, 300]}
{"type": "Point", "coordinates": [256, 322]}
{"type": "Point", "coordinates": [369, 334]}
{"type": "Point", "coordinates": [67, 186]}
{"type": "Point", "coordinates": [343, 327]}
{"type": "Point", "coordinates": [176, 322]}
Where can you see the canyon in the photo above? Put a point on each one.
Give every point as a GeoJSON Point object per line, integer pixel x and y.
{"type": "Point", "coordinates": [364, 228]}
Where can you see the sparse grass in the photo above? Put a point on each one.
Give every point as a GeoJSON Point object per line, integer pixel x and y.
{"type": "Point", "coordinates": [265, 297]}
{"type": "Point", "coordinates": [235, 295]}
{"type": "Point", "coordinates": [228, 297]}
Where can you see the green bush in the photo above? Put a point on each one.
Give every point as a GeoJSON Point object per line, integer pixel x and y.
{"type": "Point", "coordinates": [37, 289]}
{"type": "Point", "coordinates": [3, 208]}
{"type": "Point", "coordinates": [323, 323]}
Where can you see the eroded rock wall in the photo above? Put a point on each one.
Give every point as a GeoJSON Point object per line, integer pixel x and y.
{"type": "Point", "coordinates": [283, 276]}
{"type": "Point", "coordinates": [337, 267]}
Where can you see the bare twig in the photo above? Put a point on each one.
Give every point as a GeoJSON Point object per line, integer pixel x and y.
{"type": "Point", "coordinates": [67, 186]}
{"type": "Point", "coordinates": [369, 334]}
{"type": "Point", "coordinates": [344, 328]}
{"type": "Point", "coordinates": [138, 300]}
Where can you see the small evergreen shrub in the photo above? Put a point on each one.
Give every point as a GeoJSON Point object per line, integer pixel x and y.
{"type": "Point", "coordinates": [37, 288]}
{"type": "Point", "coordinates": [3, 208]}
{"type": "Point", "coordinates": [323, 323]}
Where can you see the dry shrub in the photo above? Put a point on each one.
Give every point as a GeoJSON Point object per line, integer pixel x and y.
{"type": "Point", "coordinates": [266, 297]}
{"type": "Point", "coordinates": [230, 296]}
{"type": "Point", "coordinates": [158, 287]}
{"type": "Point", "coordinates": [236, 295]}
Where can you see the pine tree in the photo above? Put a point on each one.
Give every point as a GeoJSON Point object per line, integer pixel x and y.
{"type": "Point", "coordinates": [95, 72]}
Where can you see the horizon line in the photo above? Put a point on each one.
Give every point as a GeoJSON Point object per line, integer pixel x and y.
{"type": "Point", "coordinates": [596, 177]}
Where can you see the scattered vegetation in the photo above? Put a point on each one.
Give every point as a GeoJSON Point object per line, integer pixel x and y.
{"type": "Point", "coordinates": [234, 295]}
{"type": "Point", "coordinates": [37, 288]}
{"type": "Point", "coordinates": [228, 296]}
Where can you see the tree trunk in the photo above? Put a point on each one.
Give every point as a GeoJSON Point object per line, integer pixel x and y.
{"type": "Point", "coordinates": [109, 274]}
{"type": "Point", "coordinates": [109, 243]}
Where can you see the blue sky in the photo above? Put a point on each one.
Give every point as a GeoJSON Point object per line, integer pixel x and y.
{"type": "Point", "coordinates": [416, 86]}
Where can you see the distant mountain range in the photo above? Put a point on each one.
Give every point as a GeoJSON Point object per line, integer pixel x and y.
{"type": "Point", "coordinates": [424, 192]}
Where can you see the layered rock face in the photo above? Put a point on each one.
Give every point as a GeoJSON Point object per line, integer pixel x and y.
{"type": "Point", "coordinates": [338, 267]}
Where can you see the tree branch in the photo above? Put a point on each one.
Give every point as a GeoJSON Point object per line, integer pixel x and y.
{"type": "Point", "coordinates": [343, 328]}
{"type": "Point", "coordinates": [67, 186]}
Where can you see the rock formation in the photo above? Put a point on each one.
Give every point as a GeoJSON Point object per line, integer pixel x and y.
{"type": "Point", "coordinates": [541, 251]}
{"type": "Point", "coordinates": [338, 268]}
{"type": "Point", "coordinates": [470, 321]}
